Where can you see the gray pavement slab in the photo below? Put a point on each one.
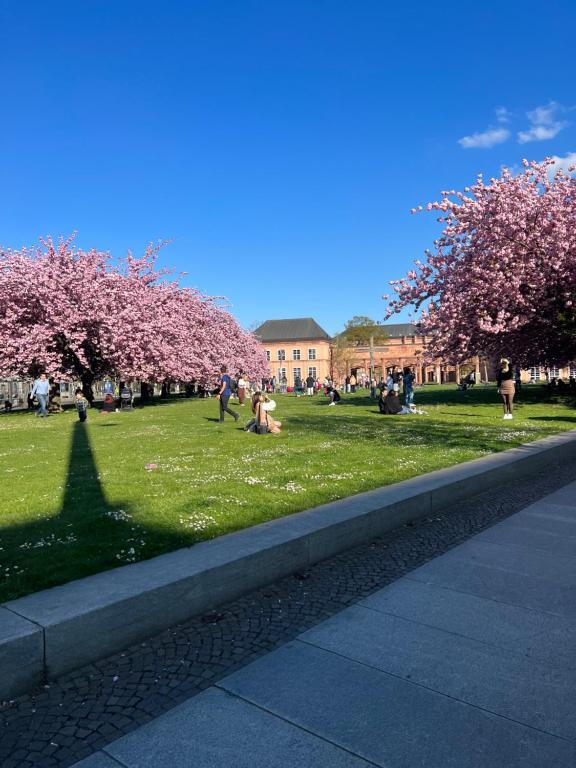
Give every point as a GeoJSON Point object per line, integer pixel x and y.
{"type": "Point", "coordinates": [494, 679]}
{"type": "Point", "coordinates": [217, 730]}
{"type": "Point", "coordinates": [551, 518]}
{"type": "Point", "coordinates": [565, 495]}
{"type": "Point", "coordinates": [557, 569]}
{"type": "Point", "coordinates": [523, 534]}
{"type": "Point", "coordinates": [503, 586]}
{"type": "Point", "coordinates": [392, 722]}
{"type": "Point", "coordinates": [99, 760]}
{"type": "Point", "coordinates": [543, 636]}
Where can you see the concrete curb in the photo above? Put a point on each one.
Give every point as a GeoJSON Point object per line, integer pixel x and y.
{"type": "Point", "coordinates": [49, 633]}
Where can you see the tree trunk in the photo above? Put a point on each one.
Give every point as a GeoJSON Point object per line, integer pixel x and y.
{"type": "Point", "coordinates": [145, 392]}
{"type": "Point", "coordinates": [165, 390]}
{"type": "Point", "coordinates": [87, 382]}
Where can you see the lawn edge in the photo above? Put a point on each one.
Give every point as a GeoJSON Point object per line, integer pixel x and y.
{"type": "Point", "coordinates": [48, 633]}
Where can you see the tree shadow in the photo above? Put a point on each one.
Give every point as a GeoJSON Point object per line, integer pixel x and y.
{"type": "Point", "coordinates": [571, 419]}
{"type": "Point", "coordinates": [76, 534]}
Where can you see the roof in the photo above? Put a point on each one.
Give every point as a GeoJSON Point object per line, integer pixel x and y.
{"type": "Point", "coordinates": [294, 329]}
{"type": "Point", "coordinates": [394, 330]}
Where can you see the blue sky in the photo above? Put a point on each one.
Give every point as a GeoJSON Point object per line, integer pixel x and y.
{"type": "Point", "coordinates": [279, 145]}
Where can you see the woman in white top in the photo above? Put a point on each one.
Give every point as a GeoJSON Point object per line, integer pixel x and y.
{"type": "Point", "coordinates": [241, 388]}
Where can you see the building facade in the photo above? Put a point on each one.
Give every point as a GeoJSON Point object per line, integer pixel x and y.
{"type": "Point", "coordinates": [296, 347]}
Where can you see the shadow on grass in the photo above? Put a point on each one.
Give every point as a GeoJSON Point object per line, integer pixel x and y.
{"type": "Point", "coordinates": [88, 534]}
{"type": "Point", "coordinates": [571, 419]}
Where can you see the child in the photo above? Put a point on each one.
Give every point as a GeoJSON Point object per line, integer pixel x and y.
{"type": "Point", "coordinates": [81, 405]}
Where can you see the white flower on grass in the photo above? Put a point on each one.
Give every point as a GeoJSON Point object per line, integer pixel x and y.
{"type": "Point", "coordinates": [198, 521]}
{"type": "Point", "coordinates": [118, 514]}
{"type": "Point", "coordinates": [293, 487]}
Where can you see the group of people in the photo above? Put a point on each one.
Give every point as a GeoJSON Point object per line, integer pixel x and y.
{"type": "Point", "coordinates": [262, 406]}
{"type": "Point", "coordinates": [389, 400]}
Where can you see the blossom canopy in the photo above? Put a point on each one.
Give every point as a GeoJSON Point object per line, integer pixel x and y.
{"type": "Point", "coordinates": [76, 313]}
{"type": "Point", "coordinates": [502, 277]}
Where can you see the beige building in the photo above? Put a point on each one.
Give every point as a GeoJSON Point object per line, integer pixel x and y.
{"type": "Point", "coordinates": [299, 346]}
{"type": "Point", "coordinates": [296, 347]}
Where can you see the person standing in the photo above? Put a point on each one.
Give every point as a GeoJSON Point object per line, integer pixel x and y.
{"type": "Point", "coordinates": [40, 391]}
{"type": "Point", "coordinates": [224, 395]}
{"type": "Point", "coordinates": [408, 381]}
{"type": "Point", "coordinates": [353, 382]}
{"type": "Point", "coordinates": [505, 383]}
{"type": "Point", "coordinates": [241, 388]}
{"type": "Point", "coordinates": [310, 385]}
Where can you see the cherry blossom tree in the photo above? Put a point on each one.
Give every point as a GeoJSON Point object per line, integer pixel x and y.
{"type": "Point", "coordinates": [502, 277]}
{"type": "Point", "coordinates": [78, 314]}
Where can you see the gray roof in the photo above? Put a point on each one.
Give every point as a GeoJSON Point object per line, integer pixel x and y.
{"type": "Point", "coordinates": [294, 329]}
{"type": "Point", "coordinates": [394, 330]}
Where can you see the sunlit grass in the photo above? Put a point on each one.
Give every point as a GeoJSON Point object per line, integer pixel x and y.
{"type": "Point", "coordinates": [77, 499]}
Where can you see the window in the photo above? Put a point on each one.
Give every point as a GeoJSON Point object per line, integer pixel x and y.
{"type": "Point", "coordinates": [572, 371]}
{"type": "Point", "coordinates": [281, 373]}
{"type": "Point", "coordinates": [268, 355]}
{"type": "Point", "coordinates": [295, 354]}
{"type": "Point", "coordinates": [281, 354]}
{"type": "Point", "coordinates": [535, 373]}
{"type": "Point", "coordinates": [297, 373]}
{"type": "Point", "coordinates": [554, 372]}
{"type": "Point", "coordinates": [311, 354]}
{"type": "Point", "coordinates": [312, 372]}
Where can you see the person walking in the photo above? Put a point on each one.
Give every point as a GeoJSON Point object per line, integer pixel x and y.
{"type": "Point", "coordinates": [81, 405]}
{"type": "Point", "coordinates": [224, 395]}
{"type": "Point", "coordinates": [310, 386]}
{"type": "Point", "coordinates": [40, 391]}
{"type": "Point", "coordinates": [505, 381]}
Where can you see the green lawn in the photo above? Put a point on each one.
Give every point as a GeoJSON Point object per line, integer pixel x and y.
{"type": "Point", "coordinates": [77, 499]}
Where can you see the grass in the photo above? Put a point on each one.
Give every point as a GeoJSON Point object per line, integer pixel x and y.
{"type": "Point", "coordinates": [77, 499]}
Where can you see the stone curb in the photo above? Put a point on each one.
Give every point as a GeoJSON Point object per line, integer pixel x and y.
{"type": "Point", "coordinates": [48, 633]}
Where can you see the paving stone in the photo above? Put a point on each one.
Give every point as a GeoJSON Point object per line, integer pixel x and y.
{"type": "Point", "coordinates": [550, 639]}
{"type": "Point", "coordinates": [497, 680]}
{"type": "Point", "coordinates": [556, 568]}
{"type": "Point", "coordinates": [386, 720]}
{"type": "Point", "coordinates": [258, 622]}
{"type": "Point", "coordinates": [522, 534]}
{"type": "Point", "coordinates": [98, 760]}
{"type": "Point", "coordinates": [497, 584]}
{"type": "Point", "coordinates": [216, 729]}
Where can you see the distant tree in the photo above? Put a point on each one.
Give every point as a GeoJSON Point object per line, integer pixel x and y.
{"type": "Point", "coordinates": [502, 278]}
{"type": "Point", "coordinates": [362, 331]}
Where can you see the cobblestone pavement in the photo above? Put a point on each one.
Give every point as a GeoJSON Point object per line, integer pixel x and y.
{"type": "Point", "coordinates": [80, 713]}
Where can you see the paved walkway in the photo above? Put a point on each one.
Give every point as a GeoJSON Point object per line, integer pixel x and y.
{"type": "Point", "coordinates": [468, 661]}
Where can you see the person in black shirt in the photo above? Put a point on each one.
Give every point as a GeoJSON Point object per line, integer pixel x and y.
{"type": "Point", "coordinates": [389, 403]}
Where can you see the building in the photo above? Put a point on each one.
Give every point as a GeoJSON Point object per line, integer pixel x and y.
{"type": "Point", "coordinates": [296, 347]}
{"type": "Point", "coordinates": [405, 345]}
{"type": "Point", "coordinates": [299, 347]}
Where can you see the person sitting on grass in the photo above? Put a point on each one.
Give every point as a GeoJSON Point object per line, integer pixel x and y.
{"type": "Point", "coordinates": [109, 405]}
{"type": "Point", "coordinates": [390, 404]}
{"type": "Point", "coordinates": [264, 421]}
{"type": "Point", "coordinates": [334, 396]}
{"type": "Point", "coordinates": [81, 405]}
{"type": "Point", "coordinates": [260, 400]}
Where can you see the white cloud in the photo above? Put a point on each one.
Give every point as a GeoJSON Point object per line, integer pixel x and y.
{"type": "Point", "coordinates": [543, 123]}
{"type": "Point", "coordinates": [563, 163]}
{"type": "Point", "coordinates": [486, 139]}
{"type": "Point", "coordinates": [502, 115]}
